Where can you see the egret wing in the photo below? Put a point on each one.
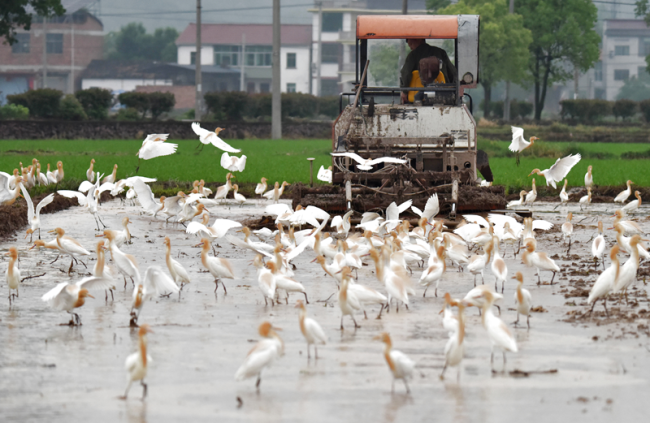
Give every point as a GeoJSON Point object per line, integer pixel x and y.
{"type": "Point", "coordinates": [155, 280]}
{"type": "Point", "coordinates": [221, 226]}
{"type": "Point", "coordinates": [94, 282]}
{"type": "Point", "coordinates": [542, 224]}
{"type": "Point", "coordinates": [562, 167]}
{"type": "Point", "coordinates": [53, 293]}
{"type": "Point", "coordinates": [386, 160]}
{"type": "Point", "coordinates": [238, 242]}
{"type": "Point", "coordinates": [30, 203]}
{"type": "Point", "coordinates": [404, 206]}
{"type": "Point", "coordinates": [44, 202]}
{"type": "Point", "coordinates": [353, 156]}
{"type": "Point", "coordinates": [145, 196]}
{"type": "Point", "coordinates": [518, 142]}
{"type": "Point", "coordinates": [81, 198]}
{"type": "Point", "coordinates": [85, 186]}
{"type": "Point", "coordinates": [473, 218]}
{"type": "Point", "coordinates": [157, 149]}
{"type": "Point", "coordinates": [318, 213]}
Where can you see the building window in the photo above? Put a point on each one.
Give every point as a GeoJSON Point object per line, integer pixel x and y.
{"type": "Point", "coordinates": [264, 87]}
{"type": "Point", "coordinates": [598, 71]}
{"type": "Point", "coordinates": [329, 87]}
{"type": "Point", "coordinates": [226, 55]}
{"type": "Point", "coordinates": [330, 53]}
{"type": "Point", "coordinates": [622, 50]}
{"type": "Point", "coordinates": [22, 44]}
{"type": "Point", "coordinates": [54, 43]}
{"type": "Point", "coordinates": [332, 22]}
{"type": "Point", "coordinates": [291, 88]}
{"type": "Point", "coordinates": [599, 94]}
{"type": "Point", "coordinates": [258, 55]}
{"type": "Point", "coordinates": [621, 74]}
{"type": "Point", "coordinates": [250, 88]}
{"type": "Point", "coordinates": [223, 86]}
{"type": "Point", "coordinates": [193, 58]}
{"type": "Point", "coordinates": [642, 72]}
{"type": "Point", "coordinates": [291, 60]}
{"type": "Point", "coordinates": [644, 47]}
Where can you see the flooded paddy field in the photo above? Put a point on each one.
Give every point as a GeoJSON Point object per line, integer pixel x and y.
{"type": "Point", "coordinates": [592, 368]}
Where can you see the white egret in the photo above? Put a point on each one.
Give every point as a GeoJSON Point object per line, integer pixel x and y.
{"type": "Point", "coordinates": [559, 170]}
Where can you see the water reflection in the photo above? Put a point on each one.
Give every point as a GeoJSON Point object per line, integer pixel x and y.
{"type": "Point", "coordinates": [136, 411]}
{"type": "Point", "coordinates": [397, 401]}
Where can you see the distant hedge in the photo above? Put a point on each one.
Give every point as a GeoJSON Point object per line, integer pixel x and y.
{"type": "Point", "coordinates": [42, 103]}
{"type": "Point", "coordinates": [589, 111]}
{"type": "Point", "coordinates": [237, 105]}
{"type": "Point", "coordinates": [155, 103]}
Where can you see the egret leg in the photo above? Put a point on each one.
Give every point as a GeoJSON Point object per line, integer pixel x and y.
{"type": "Point", "coordinates": [259, 381]}
{"type": "Point", "coordinates": [380, 310]}
{"type": "Point", "coordinates": [408, 391]}
{"type": "Point", "coordinates": [308, 355]}
{"type": "Point", "coordinates": [365, 315]}
{"type": "Point", "coordinates": [552, 278]}
{"type": "Point", "coordinates": [425, 291]}
{"type": "Point", "coordinates": [126, 392]}
{"type": "Point", "coordinates": [604, 305]}
{"type": "Point", "coordinates": [355, 322]}
{"type": "Point", "coordinates": [474, 281]}
{"type": "Point", "coordinates": [341, 322]}
{"type": "Point", "coordinates": [144, 389]}
{"type": "Point", "coordinates": [528, 321]}
{"type": "Point", "coordinates": [70, 269]}
{"type": "Point", "coordinates": [442, 375]}
{"type": "Point", "coordinates": [306, 300]}
{"type": "Point", "coordinates": [226, 292]}
{"type": "Point", "coordinates": [516, 321]}
{"type": "Point", "coordinates": [316, 351]}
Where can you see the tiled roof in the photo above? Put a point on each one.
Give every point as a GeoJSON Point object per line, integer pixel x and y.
{"type": "Point", "coordinates": [255, 34]}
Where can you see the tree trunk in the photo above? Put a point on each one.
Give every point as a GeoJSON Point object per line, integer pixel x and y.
{"type": "Point", "coordinates": [487, 91]}
{"type": "Point", "coordinates": [544, 85]}
{"type": "Point", "coordinates": [538, 109]}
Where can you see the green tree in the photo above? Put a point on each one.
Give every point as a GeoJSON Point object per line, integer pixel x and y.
{"type": "Point", "coordinates": [503, 44]}
{"type": "Point", "coordinates": [132, 42]}
{"type": "Point", "coordinates": [13, 14]}
{"type": "Point", "coordinates": [636, 89]}
{"type": "Point", "coordinates": [563, 32]}
{"type": "Point", "coordinates": [384, 64]}
{"type": "Point", "coordinates": [643, 9]}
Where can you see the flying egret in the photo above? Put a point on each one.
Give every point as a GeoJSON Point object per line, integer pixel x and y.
{"type": "Point", "coordinates": [154, 146]}
{"type": "Point", "coordinates": [559, 170]}
{"type": "Point", "coordinates": [518, 143]}
{"type": "Point", "coordinates": [207, 137]}
{"type": "Point", "coordinates": [34, 216]}
{"type": "Point", "coordinates": [367, 164]}
{"type": "Point", "coordinates": [233, 163]}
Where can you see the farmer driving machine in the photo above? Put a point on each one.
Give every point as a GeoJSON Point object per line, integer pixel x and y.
{"type": "Point", "coordinates": [434, 134]}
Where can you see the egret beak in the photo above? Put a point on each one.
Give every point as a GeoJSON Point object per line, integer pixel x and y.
{"type": "Point", "coordinates": [91, 296]}
{"type": "Point", "coordinates": [377, 338]}
{"type": "Point", "coordinates": [199, 244]}
{"type": "Point", "coordinates": [277, 328]}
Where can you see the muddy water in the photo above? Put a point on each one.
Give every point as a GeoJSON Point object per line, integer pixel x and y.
{"type": "Point", "coordinates": [50, 372]}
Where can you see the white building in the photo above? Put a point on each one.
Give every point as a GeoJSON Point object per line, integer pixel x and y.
{"type": "Point", "coordinates": [224, 45]}
{"type": "Point", "coordinates": [625, 45]}
{"type": "Point", "coordinates": [338, 38]}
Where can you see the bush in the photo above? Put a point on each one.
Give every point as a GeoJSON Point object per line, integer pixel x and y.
{"type": "Point", "coordinates": [329, 106]}
{"type": "Point", "coordinates": [14, 112]}
{"type": "Point", "coordinates": [624, 108]}
{"type": "Point", "coordinates": [135, 100]}
{"type": "Point", "coordinates": [644, 106]}
{"type": "Point", "coordinates": [522, 109]}
{"type": "Point", "coordinates": [235, 105]}
{"type": "Point", "coordinates": [585, 110]}
{"type": "Point", "coordinates": [71, 109]}
{"type": "Point", "coordinates": [129, 114]}
{"type": "Point", "coordinates": [160, 103]}
{"type": "Point", "coordinates": [95, 102]}
{"type": "Point", "coordinates": [42, 103]}
{"type": "Point", "coordinates": [214, 104]}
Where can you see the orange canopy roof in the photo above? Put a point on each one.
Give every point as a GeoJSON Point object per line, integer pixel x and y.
{"type": "Point", "coordinates": [407, 26]}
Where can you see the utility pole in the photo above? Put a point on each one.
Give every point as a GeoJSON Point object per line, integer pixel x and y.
{"type": "Point", "coordinates": [44, 84]}
{"type": "Point", "coordinates": [506, 101]}
{"type": "Point", "coordinates": [72, 55]}
{"type": "Point", "coordinates": [276, 101]}
{"type": "Point", "coordinates": [243, 63]}
{"type": "Point", "coordinates": [319, 47]}
{"type": "Point", "coordinates": [402, 46]}
{"type": "Point", "coordinates": [197, 61]}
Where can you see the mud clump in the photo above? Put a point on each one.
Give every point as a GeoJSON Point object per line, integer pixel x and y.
{"type": "Point", "coordinates": [14, 217]}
